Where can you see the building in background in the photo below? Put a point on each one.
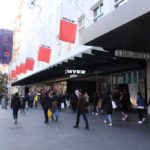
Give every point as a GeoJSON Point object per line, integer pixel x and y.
{"type": "Point", "coordinates": [103, 26]}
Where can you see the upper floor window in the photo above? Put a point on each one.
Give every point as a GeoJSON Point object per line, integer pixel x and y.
{"type": "Point", "coordinates": [81, 22]}
{"type": "Point", "coordinates": [119, 2]}
{"type": "Point", "coordinates": [97, 12]}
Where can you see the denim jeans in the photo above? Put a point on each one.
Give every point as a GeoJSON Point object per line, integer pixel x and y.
{"type": "Point", "coordinates": [55, 113]}
{"type": "Point", "coordinates": [84, 117]}
{"type": "Point", "coordinates": [15, 114]}
{"type": "Point", "coordinates": [109, 118]}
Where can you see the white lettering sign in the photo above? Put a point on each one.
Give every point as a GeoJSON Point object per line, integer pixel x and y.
{"type": "Point", "coordinates": [131, 54]}
{"type": "Point", "coordinates": [72, 71]}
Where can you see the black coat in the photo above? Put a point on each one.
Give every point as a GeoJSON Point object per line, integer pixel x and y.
{"type": "Point", "coordinates": [46, 102]}
{"type": "Point", "coordinates": [107, 104]}
{"type": "Point", "coordinates": [16, 103]}
{"type": "Point", "coordinates": [74, 98]}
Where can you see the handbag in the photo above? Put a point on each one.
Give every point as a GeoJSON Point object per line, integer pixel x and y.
{"type": "Point", "coordinates": [114, 106]}
{"type": "Point", "coordinates": [49, 113]}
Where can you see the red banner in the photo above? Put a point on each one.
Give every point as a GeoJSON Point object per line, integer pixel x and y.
{"type": "Point", "coordinates": [29, 64]}
{"type": "Point", "coordinates": [22, 68]}
{"type": "Point", "coordinates": [67, 31]}
{"type": "Point", "coordinates": [44, 54]}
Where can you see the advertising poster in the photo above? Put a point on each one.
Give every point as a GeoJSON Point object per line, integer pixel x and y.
{"type": "Point", "coordinates": [6, 45]}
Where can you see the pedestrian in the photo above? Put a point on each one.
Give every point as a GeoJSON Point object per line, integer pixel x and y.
{"type": "Point", "coordinates": [141, 107]}
{"type": "Point", "coordinates": [26, 98]}
{"type": "Point", "coordinates": [124, 98]}
{"type": "Point", "coordinates": [46, 105]}
{"type": "Point", "coordinates": [55, 106]}
{"type": "Point", "coordinates": [15, 106]}
{"type": "Point", "coordinates": [4, 102]}
{"type": "Point", "coordinates": [107, 106]}
{"type": "Point", "coordinates": [87, 101]}
{"type": "Point", "coordinates": [36, 100]}
{"type": "Point", "coordinates": [95, 102]}
{"type": "Point", "coordinates": [23, 103]}
{"type": "Point", "coordinates": [74, 100]}
{"type": "Point", "coordinates": [81, 110]}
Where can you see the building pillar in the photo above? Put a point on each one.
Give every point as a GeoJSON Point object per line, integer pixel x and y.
{"type": "Point", "coordinates": [148, 82]}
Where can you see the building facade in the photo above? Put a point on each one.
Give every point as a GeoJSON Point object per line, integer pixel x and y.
{"type": "Point", "coordinates": [95, 45]}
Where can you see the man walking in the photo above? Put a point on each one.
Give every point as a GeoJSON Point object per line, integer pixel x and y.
{"type": "Point", "coordinates": [81, 109]}
{"type": "Point", "coordinates": [15, 105]}
{"type": "Point", "coordinates": [46, 105]}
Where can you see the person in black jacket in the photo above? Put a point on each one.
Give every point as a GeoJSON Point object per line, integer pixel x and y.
{"type": "Point", "coordinates": [107, 106]}
{"type": "Point", "coordinates": [124, 98]}
{"type": "Point", "coordinates": [15, 105]}
{"type": "Point", "coordinates": [46, 104]}
{"type": "Point", "coordinates": [95, 102]}
{"type": "Point", "coordinates": [74, 100]}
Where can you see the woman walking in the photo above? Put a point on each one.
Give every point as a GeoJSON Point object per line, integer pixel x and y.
{"type": "Point", "coordinates": [107, 106]}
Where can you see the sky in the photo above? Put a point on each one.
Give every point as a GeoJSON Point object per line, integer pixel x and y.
{"type": "Point", "coordinates": [8, 11]}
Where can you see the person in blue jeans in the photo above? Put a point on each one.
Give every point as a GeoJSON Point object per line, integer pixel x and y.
{"type": "Point", "coordinates": [107, 106]}
{"type": "Point", "coordinates": [54, 100]}
{"type": "Point", "coordinates": [141, 107]}
{"type": "Point", "coordinates": [15, 106]}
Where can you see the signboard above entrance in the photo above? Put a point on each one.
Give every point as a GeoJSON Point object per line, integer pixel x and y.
{"type": "Point", "coordinates": [131, 54]}
{"type": "Point", "coordinates": [72, 71]}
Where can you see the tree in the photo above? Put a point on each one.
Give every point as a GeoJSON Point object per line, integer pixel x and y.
{"type": "Point", "coordinates": [3, 82]}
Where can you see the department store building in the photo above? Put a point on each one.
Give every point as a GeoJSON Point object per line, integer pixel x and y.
{"type": "Point", "coordinates": [111, 50]}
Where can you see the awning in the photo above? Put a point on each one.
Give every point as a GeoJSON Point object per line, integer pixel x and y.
{"type": "Point", "coordinates": [94, 61]}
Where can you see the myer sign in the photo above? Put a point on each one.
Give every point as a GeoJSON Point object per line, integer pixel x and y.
{"type": "Point", "coordinates": [131, 54]}
{"type": "Point", "coordinates": [72, 71]}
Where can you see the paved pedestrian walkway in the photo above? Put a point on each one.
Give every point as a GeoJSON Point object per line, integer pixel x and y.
{"type": "Point", "coordinates": [32, 134]}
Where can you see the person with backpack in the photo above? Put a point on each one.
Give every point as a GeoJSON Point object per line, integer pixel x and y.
{"type": "Point", "coordinates": [15, 106]}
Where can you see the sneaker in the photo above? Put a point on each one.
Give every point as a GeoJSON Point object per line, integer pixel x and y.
{"type": "Point", "coordinates": [126, 117]}
{"type": "Point", "coordinates": [140, 122]}
{"type": "Point", "coordinates": [75, 126]}
{"type": "Point", "coordinates": [110, 124]}
{"type": "Point", "coordinates": [96, 114]}
{"type": "Point", "coordinates": [15, 122]}
{"type": "Point", "coordinates": [56, 119]}
{"type": "Point", "coordinates": [143, 119]}
{"type": "Point", "coordinates": [105, 121]}
{"type": "Point", "coordinates": [123, 119]}
{"type": "Point", "coordinates": [87, 128]}
{"type": "Point", "coordinates": [46, 122]}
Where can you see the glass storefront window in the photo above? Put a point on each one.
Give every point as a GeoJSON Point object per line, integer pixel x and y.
{"type": "Point", "coordinates": [135, 76]}
{"type": "Point", "coordinates": [129, 77]}
{"type": "Point", "coordinates": [126, 77]}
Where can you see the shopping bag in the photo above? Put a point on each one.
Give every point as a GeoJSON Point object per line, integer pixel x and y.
{"type": "Point", "coordinates": [62, 106]}
{"type": "Point", "coordinates": [49, 113]}
{"type": "Point", "coordinates": [114, 106]}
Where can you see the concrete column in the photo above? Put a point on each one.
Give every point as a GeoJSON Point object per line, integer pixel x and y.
{"type": "Point", "coordinates": [148, 82]}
